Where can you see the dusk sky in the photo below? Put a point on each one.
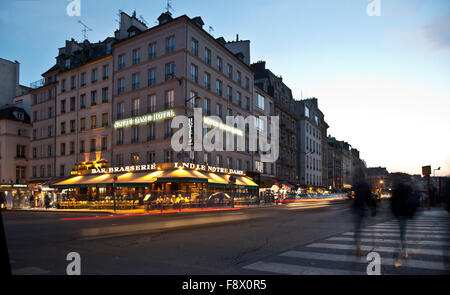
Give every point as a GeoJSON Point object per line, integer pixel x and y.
{"type": "Point", "coordinates": [382, 81]}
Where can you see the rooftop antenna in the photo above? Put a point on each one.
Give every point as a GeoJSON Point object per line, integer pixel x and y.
{"type": "Point", "coordinates": [141, 18]}
{"type": "Point", "coordinates": [84, 30]}
{"type": "Point", "coordinates": [119, 15]}
{"type": "Point", "coordinates": [211, 29]}
{"type": "Point", "coordinates": [169, 6]}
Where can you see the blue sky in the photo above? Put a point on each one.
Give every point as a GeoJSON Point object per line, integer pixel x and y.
{"type": "Point", "coordinates": [382, 81]}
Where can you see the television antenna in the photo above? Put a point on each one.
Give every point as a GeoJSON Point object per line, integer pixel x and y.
{"type": "Point", "coordinates": [211, 29]}
{"type": "Point", "coordinates": [169, 6]}
{"type": "Point", "coordinates": [84, 30]}
{"type": "Point", "coordinates": [119, 12]}
{"type": "Point", "coordinates": [141, 18]}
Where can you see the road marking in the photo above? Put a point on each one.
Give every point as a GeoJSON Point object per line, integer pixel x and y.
{"type": "Point", "coordinates": [350, 258]}
{"type": "Point", "coordinates": [31, 270]}
{"type": "Point", "coordinates": [378, 249]}
{"type": "Point", "coordinates": [291, 269]}
{"type": "Point", "coordinates": [408, 230]}
{"type": "Point", "coordinates": [415, 242]}
{"type": "Point", "coordinates": [397, 234]}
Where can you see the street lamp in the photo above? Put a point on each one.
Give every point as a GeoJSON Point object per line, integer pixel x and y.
{"type": "Point", "coordinates": [434, 170]}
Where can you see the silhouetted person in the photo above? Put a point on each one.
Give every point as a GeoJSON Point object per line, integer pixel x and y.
{"type": "Point", "coordinates": [403, 204]}
{"type": "Point", "coordinates": [363, 205]}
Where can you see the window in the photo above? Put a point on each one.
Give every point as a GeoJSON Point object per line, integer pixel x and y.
{"type": "Point", "coordinates": [104, 143]}
{"type": "Point", "coordinates": [238, 98]}
{"type": "Point", "coordinates": [135, 107]}
{"type": "Point", "coordinates": [135, 136]}
{"type": "Point", "coordinates": [170, 74]}
{"type": "Point", "coordinates": [93, 145]}
{"type": "Point", "coordinates": [83, 79]}
{"type": "Point", "coordinates": [73, 82]}
{"type": "Point", "coordinates": [169, 99]}
{"type": "Point", "coordinates": [206, 107]}
{"type": "Point", "coordinates": [120, 110]}
{"type": "Point", "coordinates": [72, 126]}
{"type": "Point", "coordinates": [49, 150]}
{"type": "Point", "coordinates": [42, 171]}
{"type": "Point", "coordinates": [61, 170]}
{"type": "Point", "coordinates": [230, 93]}
{"type": "Point", "coordinates": [219, 64]}
{"type": "Point", "coordinates": [151, 157]}
{"type": "Point", "coordinates": [93, 98]}
{"type": "Point", "coordinates": [151, 132]}
{"type": "Point", "coordinates": [20, 151]}
{"type": "Point", "coordinates": [229, 162]}
{"type": "Point", "coordinates": [260, 101]}
{"type": "Point", "coordinates": [82, 124]}
{"type": "Point", "coordinates": [247, 103]}
{"type": "Point", "coordinates": [105, 120]}
{"type": "Point", "coordinates": [49, 170]}
{"type": "Point", "coordinates": [207, 80]}
{"type": "Point", "coordinates": [194, 47]}
{"type": "Point", "coordinates": [168, 128]}
{"type": "Point", "coordinates": [105, 72]}
{"type": "Point", "coordinates": [136, 81]}
{"type": "Point", "coordinates": [34, 134]}
{"type": "Point", "coordinates": [151, 77]}
{"type": "Point", "coordinates": [306, 112]}
{"type": "Point", "coordinates": [82, 101]}
{"type": "Point", "coordinates": [34, 153]}
{"type": "Point", "coordinates": [93, 122]}
{"type": "Point", "coordinates": [72, 147]}
{"type": "Point", "coordinates": [119, 160]}
{"type": "Point", "coordinates": [63, 85]}
{"type": "Point", "coordinates": [63, 149]}
{"type": "Point", "coordinates": [230, 71]}
{"type": "Point", "coordinates": [63, 106]}
{"type": "Point", "coordinates": [50, 131]}
{"type": "Point", "coordinates": [192, 96]}
{"type": "Point", "coordinates": [50, 112]}
{"type": "Point", "coordinates": [121, 61]}
{"type": "Point", "coordinates": [206, 158]}
{"type": "Point", "coordinates": [104, 95]}
{"type": "Point", "coordinates": [63, 127]}
{"type": "Point", "coordinates": [219, 110]}
{"type": "Point", "coordinates": [136, 56]}
{"type": "Point", "coordinates": [120, 136]}
{"type": "Point", "coordinates": [168, 156]}
{"type": "Point", "coordinates": [152, 51]}
{"type": "Point", "coordinates": [219, 87]}
{"type": "Point", "coordinates": [72, 104]}
{"type": "Point", "coordinates": [218, 160]}
{"type": "Point", "coordinates": [121, 86]}
{"type": "Point", "coordinates": [151, 103]}
{"type": "Point", "coordinates": [134, 158]}
{"type": "Point", "coordinates": [239, 77]}
{"type": "Point", "coordinates": [94, 76]}
{"type": "Point", "coordinates": [194, 73]}
{"type": "Point", "coordinates": [208, 56]}
{"type": "Point", "coordinates": [247, 83]}
{"type": "Point", "coordinates": [170, 44]}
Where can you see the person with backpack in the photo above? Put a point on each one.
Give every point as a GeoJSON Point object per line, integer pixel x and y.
{"type": "Point", "coordinates": [404, 203]}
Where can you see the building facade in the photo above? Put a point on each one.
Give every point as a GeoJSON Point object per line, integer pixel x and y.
{"type": "Point", "coordinates": [9, 82]}
{"type": "Point", "coordinates": [311, 132]}
{"type": "Point", "coordinates": [79, 113]}
{"type": "Point", "coordinates": [284, 107]}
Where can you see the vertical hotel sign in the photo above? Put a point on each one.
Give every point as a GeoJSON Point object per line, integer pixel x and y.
{"type": "Point", "coordinates": [144, 119]}
{"type": "Point", "coordinates": [191, 130]}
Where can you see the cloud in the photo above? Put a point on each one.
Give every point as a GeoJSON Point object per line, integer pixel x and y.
{"type": "Point", "coordinates": [438, 33]}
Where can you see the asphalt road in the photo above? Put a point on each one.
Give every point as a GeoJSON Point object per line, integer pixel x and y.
{"type": "Point", "coordinates": [246, 241]}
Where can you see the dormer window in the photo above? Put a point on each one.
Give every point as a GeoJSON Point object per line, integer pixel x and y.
{"type": "Point", "coordinates": [19, 115]}
{"type": "Point", "coordinates": [67, 63]}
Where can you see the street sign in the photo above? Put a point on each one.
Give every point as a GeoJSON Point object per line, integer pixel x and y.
{"type": "Point", "coordinates": [426, 170]}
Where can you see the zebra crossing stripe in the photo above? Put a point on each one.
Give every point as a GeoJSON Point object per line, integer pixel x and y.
{"type": "Point", "coordinates": [411, 225]}
{"type": "Point", "coordinates": [292, 269]}
{"type": "Point", "coordinates": [415, 242]}
{"type": "Point", "coordinates": [407, 229]}
{"type": "Point", "coordinates": [378, 249]}
{"type": "Point", "coordinates": [397, 234]}
{"type": "Point", "coordinates": [350, 258]}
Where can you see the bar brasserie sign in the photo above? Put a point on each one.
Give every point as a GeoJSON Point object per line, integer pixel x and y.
{"type": "Point", "coordinates": [176, 165]}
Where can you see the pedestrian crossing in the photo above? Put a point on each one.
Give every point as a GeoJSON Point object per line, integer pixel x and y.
{"type": "Point", "coordinates": [428, 244]}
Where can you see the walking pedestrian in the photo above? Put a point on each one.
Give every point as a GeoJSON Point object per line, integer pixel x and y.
{"type": "Point", "coordinates": [363, 205]}
{"type": "Point", "coordinates": [404, 203]}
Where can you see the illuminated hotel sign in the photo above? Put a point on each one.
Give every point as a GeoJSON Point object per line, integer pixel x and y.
{"type": "Point", "coordinates": [207, 168]}
{"type": "Point", "coordinates": [222, 126]}
{"type": "Point", "coordinates": [152, 167]}
{"type": "Point", "coordinates": [144, 119]}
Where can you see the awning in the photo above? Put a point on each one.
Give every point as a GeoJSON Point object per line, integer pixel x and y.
{"type": "Point", "coordinates": [126, 179]}
{"type": "Point", "coordinates": [145, 179]}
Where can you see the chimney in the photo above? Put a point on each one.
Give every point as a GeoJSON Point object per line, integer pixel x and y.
{"type": "Point", "coordinates": [198, 21]}
{"type": "Point", "coordinates": [237, 37]}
